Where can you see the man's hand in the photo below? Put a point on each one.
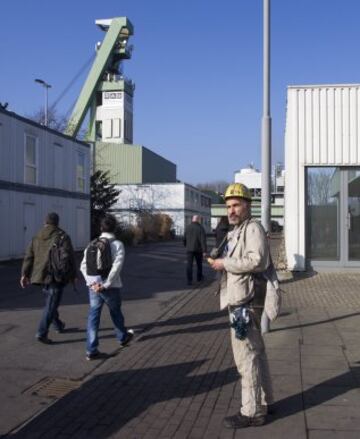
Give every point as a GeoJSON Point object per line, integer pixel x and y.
{"type": "Point", "coordinates": [97, 287]}
{"type": "Point", "coordinates": [24, 281]}
{"type": "Point", "coordinates": [217, 264]}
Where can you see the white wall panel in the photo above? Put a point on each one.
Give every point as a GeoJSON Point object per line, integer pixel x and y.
{"type": "Point", "coordinates": [309, 123]}
{"type": "Point", "coordinates": [316, 126]}
{"type": "Point", "coordinates": [353, 126]}
{"type": "Point", "coordinates": [345, 126]}
{"type": "Point", "coordinates": [323, 138]}
{"type": "Point", "coordinates": [331, 124]}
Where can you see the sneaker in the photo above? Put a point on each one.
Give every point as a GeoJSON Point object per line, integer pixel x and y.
{"type": "Point", "coordinates": [94, 355]}
{"type": "Point", "coordinates": [43, 339]}
{"type": "Point", "coordinates": [60, 329]}
{"type": "Point", "coordinates": [241, 421]}
{"type": "Point", "coordinates": [128, 338]}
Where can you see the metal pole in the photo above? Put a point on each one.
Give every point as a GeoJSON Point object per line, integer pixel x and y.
{"type": "Point", "coordinates": [46, 105]}
{"type": "Point", "coordinates": [266, 138]}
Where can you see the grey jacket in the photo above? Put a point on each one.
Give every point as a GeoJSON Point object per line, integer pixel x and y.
{"type": "Point", "coordinates": [247, 254]}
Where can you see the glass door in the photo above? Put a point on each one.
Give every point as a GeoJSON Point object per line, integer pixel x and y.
{"type": "Point", "coordinates": [333, 216]}
{"type": "Point", "coordinates": [323, 214]}
{"type": "Point", "coordinates": [352, 215]}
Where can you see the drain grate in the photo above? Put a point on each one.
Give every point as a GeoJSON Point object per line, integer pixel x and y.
{"type": "Point", "coordinates": [50, 387]}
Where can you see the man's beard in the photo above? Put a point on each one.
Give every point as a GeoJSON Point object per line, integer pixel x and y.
{"type": "Point", "coordinates": [235, 220]}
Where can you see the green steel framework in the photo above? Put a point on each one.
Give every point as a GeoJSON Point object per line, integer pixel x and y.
{"type": "Point", "coordinates": [108, 57]}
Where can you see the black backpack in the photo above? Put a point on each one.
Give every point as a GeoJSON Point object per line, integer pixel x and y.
{"type": "Point", "coordinates": [60, 266]}
{"type": "Point", "coordinates": [98, 258]}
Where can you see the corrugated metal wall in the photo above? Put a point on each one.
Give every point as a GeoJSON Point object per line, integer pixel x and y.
{"type": "Point", "coordinates": [124, 162]}
{"type": "Point", "coordinates": [133, 164]}
{"type": "Point", "coordinates": [328, 124]}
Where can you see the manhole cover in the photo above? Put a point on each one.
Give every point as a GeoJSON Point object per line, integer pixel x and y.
{"type": "Point", "coordinates": [50, 387]}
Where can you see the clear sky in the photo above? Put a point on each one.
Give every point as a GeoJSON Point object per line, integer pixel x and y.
{"type": "Point", "coordinates": [197, 66]}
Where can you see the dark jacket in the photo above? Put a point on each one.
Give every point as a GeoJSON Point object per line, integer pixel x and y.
{"type": "Point", "coordinates": [37, 254]}
{"type": "Point", "coordinates": [220, 233]}
{"type": "Point", "coordinates": [195, 238]}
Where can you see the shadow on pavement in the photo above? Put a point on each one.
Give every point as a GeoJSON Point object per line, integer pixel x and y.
{"type": "Point", "coordinates": [148, 270]}
{"type": "Point", "coordinates": [299, 275]}
{"type": "Point", "coordinates": [191, 330]}
{"type": "Point", "coordinates": [183, 320]}
{"type": "Point", "coordinates": [106, 403]}
{"type": "Point", "coordinates": [319, 322]}
{"type": "Point", "coordinates": [99, 409]}
{"type": "Point", "coordinates": [317, 395]}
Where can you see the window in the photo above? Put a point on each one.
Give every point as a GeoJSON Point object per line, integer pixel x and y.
{"type": "Point", "coordinates": [107, 128]}
{"type": "Point", "coordinates": [128, 126]}
{"type": "Point", "coordinates": [30, 159]}
{"type": "Point", "coordinates": [58, 166]}
{"type": "Point", "coordinates": [98, 130]}
{"type": "Point", "coordinates": [80, 172]}
{"type": "Point", "coordinates": [116, 128]}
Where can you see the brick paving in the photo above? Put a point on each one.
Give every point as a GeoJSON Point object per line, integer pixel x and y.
{"type": "Point", "coordinates": [178, 380]}
{"type": "Point", "coordinates": [330, 290]}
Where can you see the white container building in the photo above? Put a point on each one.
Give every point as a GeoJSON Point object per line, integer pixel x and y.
{"type": "Point", "coordinates": [178, 200]}
{"type": "Point", "coordinates": [41, 170]}
{"type": "Point", "coordinates": [322, 179]}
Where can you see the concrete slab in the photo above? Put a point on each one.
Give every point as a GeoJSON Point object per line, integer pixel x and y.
{"type": "Point", "coordinates": [331, 434]}
{"type": "Point", "coordinates": [331, 417]}
{"type": "Point", "coordinates": [327, 377]}
{"type": "Point", "coordinates": [323, 362]}
{"type": "Point", "coordinates": [325, 395]}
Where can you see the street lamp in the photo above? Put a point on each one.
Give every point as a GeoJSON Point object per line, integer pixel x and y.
{"type": "Point", "coordinates": [46, 86]}
{"type": "Point", "coordinates": [266, 138]}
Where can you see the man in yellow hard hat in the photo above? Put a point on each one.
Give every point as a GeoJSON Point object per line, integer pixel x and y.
{"type": "Point", "coordinates": [243, 290]}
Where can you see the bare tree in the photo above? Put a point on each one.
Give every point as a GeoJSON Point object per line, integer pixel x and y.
{"type": "Point", "coordinates": [218, 186]}
{"type": "Point", "coordinates": [56, 121]}
{"type": "Point", "coordinates": [322, 187]}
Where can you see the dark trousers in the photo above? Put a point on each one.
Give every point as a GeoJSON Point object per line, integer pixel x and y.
{"type": "Point", "coordinates": [189, 267]}
{"type": "Point", "coordinates": [53, 294]}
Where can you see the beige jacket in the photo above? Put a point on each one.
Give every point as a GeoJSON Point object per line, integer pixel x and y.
{"type": "Point", "coordinates": [248, 252]}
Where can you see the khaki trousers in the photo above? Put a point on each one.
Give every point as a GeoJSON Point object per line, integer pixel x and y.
{"type": "Point", "coordinates": [252, 365]}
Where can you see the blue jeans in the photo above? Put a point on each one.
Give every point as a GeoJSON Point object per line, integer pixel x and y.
{"type": "Point", "coordinates": [53, 294]}
{"type": "Point", "coordinates": [112, 298]}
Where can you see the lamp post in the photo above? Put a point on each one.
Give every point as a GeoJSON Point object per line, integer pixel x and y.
{"type": "Point", "coordinates": [266, 137]}
{"type": "Point", "coordinates": [46, 86]}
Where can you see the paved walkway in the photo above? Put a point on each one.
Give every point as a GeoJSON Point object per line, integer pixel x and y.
{"type": "Point", "coordinates": [178, 380]}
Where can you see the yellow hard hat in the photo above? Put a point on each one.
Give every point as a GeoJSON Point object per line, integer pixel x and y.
{"type": "Point", "coordinates": [237, 190]}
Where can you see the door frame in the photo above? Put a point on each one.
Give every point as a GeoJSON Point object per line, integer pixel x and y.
{"type": "Point", "coordinates": [343, 261]}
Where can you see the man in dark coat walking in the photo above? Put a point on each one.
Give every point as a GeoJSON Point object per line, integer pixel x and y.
{"type": "Point", "coordinates": [36, 270]}
{"type": "Point", "coordinates": [195, 243]}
